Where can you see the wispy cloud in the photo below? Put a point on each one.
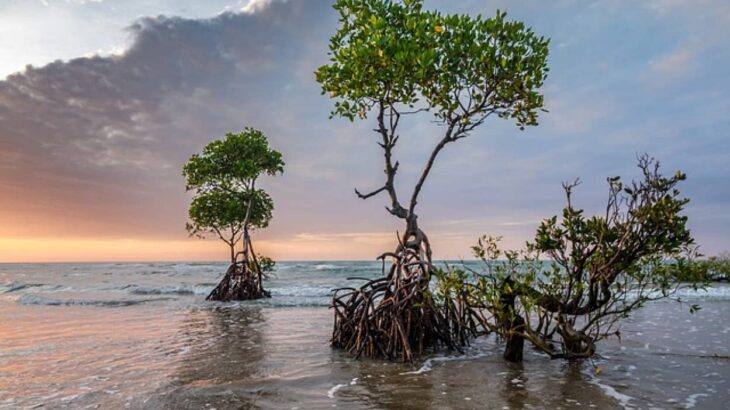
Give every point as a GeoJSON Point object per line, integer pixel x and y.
{"type": "Point", "coordinates": [578, 111]}
{"type": "Point", "coordinates": [378, 237]}
{"type": "Point", "coordinates": [675, 64]}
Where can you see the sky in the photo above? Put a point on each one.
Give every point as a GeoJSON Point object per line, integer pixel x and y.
{"type": "Point", "coordinates": [102, 101]}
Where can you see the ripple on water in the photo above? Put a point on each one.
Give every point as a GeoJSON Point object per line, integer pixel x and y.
{"type": "Point", "coordinates": [141, 335]}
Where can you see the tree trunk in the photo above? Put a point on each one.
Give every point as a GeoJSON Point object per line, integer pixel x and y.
{"type": "Point", "coordinates": [514, 342]}
{"type": "Point", "coordinates": [243, 279]}
{"type": "Point", "coordinates": [512, 323]}
{"type": "Point", "coordinates": [576, 344]}
{"type": "Point", "coordinates": [396, 316]}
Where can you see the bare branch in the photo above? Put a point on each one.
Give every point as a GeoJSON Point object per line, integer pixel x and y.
{"type": "Point", "coordinates": [371, 194]}
{"type": "Point", "coordinates": [389, 139]}
{"type": "Point", "coordinates": [429, 164]}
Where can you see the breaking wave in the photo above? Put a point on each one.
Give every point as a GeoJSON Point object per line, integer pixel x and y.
{"type": "Point", "coordinates": [36, 300]}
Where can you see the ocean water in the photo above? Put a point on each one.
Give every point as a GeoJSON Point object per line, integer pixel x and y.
{"type": "Point", "coordinates": [140, 335]}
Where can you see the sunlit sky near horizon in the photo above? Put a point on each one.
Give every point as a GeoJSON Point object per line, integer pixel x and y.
{"type": "Point", "coordinates": [102, 101]}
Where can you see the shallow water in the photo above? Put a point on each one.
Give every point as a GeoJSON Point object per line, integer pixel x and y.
{"type": "Point", "coordinates": [141, 336]}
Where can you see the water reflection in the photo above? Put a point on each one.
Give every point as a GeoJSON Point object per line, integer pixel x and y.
{"type": "Point", "coordinates": [223, 362]}
{"type": "Point", "coordinates": [384, 385]}
{"type": "Point", "coordinates": [512, 386]}
{"type": "Point", "coordinates": [245, 357]}
{"type": "Point", "coordinates": [184, 353]}
{"type": "Point", "coordinates": [485, 381]}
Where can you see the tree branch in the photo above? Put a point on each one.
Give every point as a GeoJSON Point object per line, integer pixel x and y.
{"type": "Point", "coordinates": [389, 139]}
{"type": "Point", "coordinates": [429, 164]}
{"type": "Point", "coordinates": [371, 194]}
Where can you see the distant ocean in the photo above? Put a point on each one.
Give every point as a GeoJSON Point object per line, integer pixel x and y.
{"type": "Point", "coordinates": [141, 335]}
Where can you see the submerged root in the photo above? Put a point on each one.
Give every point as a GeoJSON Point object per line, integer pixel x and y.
{"type": "Point", "coordinates": [396, 316]}
{"type": "Point", "coordinates": [243, 279]}
{"type": "Point", "coordinates": [240, 282]}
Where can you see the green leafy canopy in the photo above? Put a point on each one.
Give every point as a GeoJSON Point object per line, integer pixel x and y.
{"type": "Point", "coordinates": [582, 274]}
{"type": "Point", "coordinates": [221, 210]}
{"type": "Point", "coordinates": [233, 163]}
{"type": "Point", "coordinates": [460, 67]}
{"type": "Point", "coordinates": [223, 178]}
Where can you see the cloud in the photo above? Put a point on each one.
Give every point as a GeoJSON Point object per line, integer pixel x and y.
{"type": "Point", "coordinates": [77, 134]}
{"type": "Point", "coordinates": [92, 147]}
{"type": "Point", "coordinates": [676, 63]}
{"type": "Point", "coordinates": [682, 63]}
{"type": "Point", "coordinates": [569, 114]}
{"type": "Point", "coordinates": [711, 10]}
{"type": "Point", "coordinates": [377, 237]}
{"type": "Point", "coordinates": [255, 5]}
{"type": "Point", "coordinates": [666, 6]}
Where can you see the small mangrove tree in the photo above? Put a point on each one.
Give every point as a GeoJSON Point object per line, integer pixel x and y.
{"type": "Point", "coordinates": [227, 204]}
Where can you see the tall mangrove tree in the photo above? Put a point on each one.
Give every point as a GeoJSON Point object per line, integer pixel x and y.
{"type": "Point", "coordinates": [391, 59]}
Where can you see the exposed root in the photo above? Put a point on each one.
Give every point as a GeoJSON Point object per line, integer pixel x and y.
{"type": "Point", "coordinates": [243, 279]}
{"type": "Point", "coordinates": [239, 283]}
{"type": "Point", "coordinates": [396, 316]}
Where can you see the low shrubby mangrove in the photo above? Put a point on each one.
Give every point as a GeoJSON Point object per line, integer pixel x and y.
{"type": "Point", "coordinates": [570, 286]}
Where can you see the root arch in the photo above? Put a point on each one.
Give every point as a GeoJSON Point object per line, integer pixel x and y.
{"type": "Point", "coordinates": [243, 279]}
{"type": "Point", "coordinates": [396, 316]}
